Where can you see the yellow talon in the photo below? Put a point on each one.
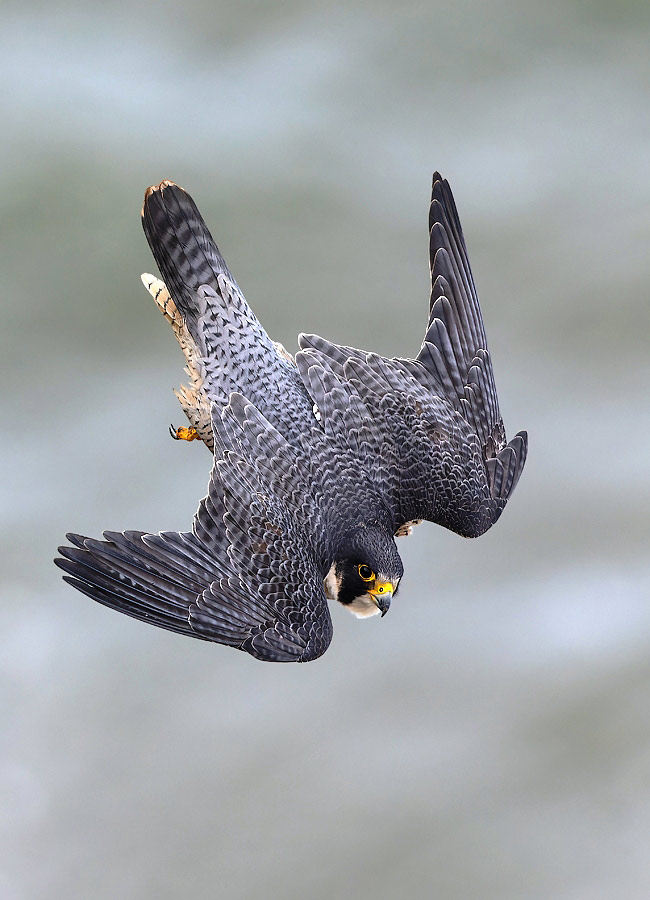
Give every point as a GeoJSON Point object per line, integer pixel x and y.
{"type": "Point", "coordinates": [183, 433]}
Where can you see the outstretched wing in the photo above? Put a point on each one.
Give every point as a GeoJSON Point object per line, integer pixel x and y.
{"type": "Point", "coordinates": [455, 352]}
{"type": "Point", "coordinates": [249, 575]}
{"type": "Point", "coordinates": [448, 460]}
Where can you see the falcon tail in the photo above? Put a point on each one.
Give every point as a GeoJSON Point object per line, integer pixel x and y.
{"type": "Point", "coordinates": [226, 346]}
{"type": "Point", "coordinates": [183, 248]}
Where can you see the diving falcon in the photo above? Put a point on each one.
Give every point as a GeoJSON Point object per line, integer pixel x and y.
{"type": "Point", "coordinates": [319, 461]}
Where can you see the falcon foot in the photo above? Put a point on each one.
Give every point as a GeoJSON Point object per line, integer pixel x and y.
{"type": "Point", "coordinates": [407, 529]}
{"type": "Point", "coordinates": [183, 433]}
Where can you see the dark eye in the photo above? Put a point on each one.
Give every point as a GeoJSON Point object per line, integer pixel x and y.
{"type": "Point", "coordinates": [365, 572]}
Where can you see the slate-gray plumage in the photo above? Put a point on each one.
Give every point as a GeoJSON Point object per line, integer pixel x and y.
{"type": "Point", "coordinates": [318, 463]}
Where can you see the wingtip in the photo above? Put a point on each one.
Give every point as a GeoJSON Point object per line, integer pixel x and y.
{"type": "Point", "coordinates": [77, 540]}
{"type": "Point", "coordinates": [522, 436]}
{"type": "Point", "coordinates": [520, 441]}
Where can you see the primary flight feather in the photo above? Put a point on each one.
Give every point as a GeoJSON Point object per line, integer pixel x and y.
{"type": "Point", "coordinates": [319, 461]}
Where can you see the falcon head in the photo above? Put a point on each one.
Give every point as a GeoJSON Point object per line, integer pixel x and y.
{"type": "Point", "coordinates": [367, 574]}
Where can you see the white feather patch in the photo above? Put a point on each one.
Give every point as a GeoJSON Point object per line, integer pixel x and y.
{"type": "Point", "coordinates": [362, 607]}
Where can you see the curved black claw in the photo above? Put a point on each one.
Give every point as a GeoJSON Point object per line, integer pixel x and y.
{"type": "Point", "coordinates": [173, 433]}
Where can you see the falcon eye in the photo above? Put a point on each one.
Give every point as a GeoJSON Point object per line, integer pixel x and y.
{"type": "Point", "coordinates": [365, 572]}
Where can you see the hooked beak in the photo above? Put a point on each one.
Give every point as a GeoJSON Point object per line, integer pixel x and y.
{"type": "Point", "coordinates": [382, 593]}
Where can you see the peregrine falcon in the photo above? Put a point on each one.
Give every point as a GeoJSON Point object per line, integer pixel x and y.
{"type": "Point", "coordinates": [319, 462]}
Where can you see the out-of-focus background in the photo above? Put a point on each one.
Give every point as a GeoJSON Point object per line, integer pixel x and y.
{"type": "Point", "coordinates": [489, 738]}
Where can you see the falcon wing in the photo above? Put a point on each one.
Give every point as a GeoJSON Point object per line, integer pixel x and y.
{"type": "Point", "coordinates": [447, 460]}
{"type": "Point", "coordinates": [454, 351]}
{"type": "Point", "coordinates": [249, 575]}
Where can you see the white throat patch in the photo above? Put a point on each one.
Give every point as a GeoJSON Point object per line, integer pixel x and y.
{"type": "Point", "coordinates": [362, 607]}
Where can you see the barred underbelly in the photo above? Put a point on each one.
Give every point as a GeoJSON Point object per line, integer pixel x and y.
{"type": "Point", "coordinates": [192, 397]}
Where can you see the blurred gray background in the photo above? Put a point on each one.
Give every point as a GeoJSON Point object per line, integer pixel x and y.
{"type": "Point", "coordinates": [489, 738]}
